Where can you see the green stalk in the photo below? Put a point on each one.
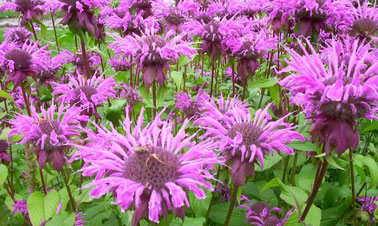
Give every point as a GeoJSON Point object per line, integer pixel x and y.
{"type": "Point", "coordinates": [231, 207]}
{"type": "Point", "coordinates": [352, 187]}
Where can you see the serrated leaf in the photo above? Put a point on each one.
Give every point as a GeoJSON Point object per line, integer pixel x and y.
{"type": "Point", "coordinates": [3, 174]}
{"type": "Point", "coordinates": [263, 83]}
{"type": "Point", "coordinates": [62, 219]}
{"type": "Point", "coordinates": [5, 95]}
{"type": "Point", "coordinates": [42, 208]}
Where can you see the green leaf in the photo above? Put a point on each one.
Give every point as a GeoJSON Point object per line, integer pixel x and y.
{"type": "Point", "coordinates": [371, 164]}
{"type": "Point", "coordinates": [114, 112]}
{"type": "Point", "coordinates": [62, 219]}
{"type": "Point", "coordinates": [40, 207]}
{"type": "Point", "coordinates": [182, 60]}
{"type": "Point", "coordinates": [314, 216]}
{"type": "Point", "coordinates": [275, 94]}
{"type": "Point", "coordinates": [303, 146]}
{"type": "Point", "coordinates": [3, 174]}
{"type": "Point", "coordinates": [369, 126]}
{"type": "Point", "coordinates": [305, 178]}
{"type": "Point", "coordinates": [275, 182]}
{"type": "Point", "coordinates": [218, 214]}
{"type": "Point", "coordinates": [200, 206]}
{"type": "Point", "coordinates": [292, 220]}
{"type": "Point", "coordinates": [269, 162]}
{"type": "Point", "coordinates": [263, 83]}
{"type": "Point", "coordinates": [333, 163]}
{"type": "Point", "coordinates": [188, 221]}
{"type": "Point", "coordinates": [147, 98]}
{"type": "Point", "coordinates": [5, 95]}
{"type": "Point", "coordinates": [4, 133]}
{"type": "Point", "coordinates": [177, 77]}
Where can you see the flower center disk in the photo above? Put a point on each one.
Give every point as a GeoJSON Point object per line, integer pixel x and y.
{"type": "Point", "coordinates": [21, 58]}
{"type": "Point", "coordinates": [249, 132]}
{"type": "Point", "coordinates": [152, 166]}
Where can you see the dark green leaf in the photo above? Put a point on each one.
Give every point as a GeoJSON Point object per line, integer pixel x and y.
{"type": "Point", "coordinates": [3, 174]}
{"type": "Point", "coordinates": [218, 214]}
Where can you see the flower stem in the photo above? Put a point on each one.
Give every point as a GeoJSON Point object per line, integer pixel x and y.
{"type": "Point", "coordinates": [26, 100]}
{"type": "Point", "coordinates": [56, 37]}
{"type": "Point", "coordinates": [352, 187]}
{"type": "Point", "coordinates": [72, 200]}
{"type": "Point", "coordinates": [33, 31]}
{"type": "Point", "coordinates": [212, 79]}
{"type": "Point", "coordinates": [154, 98]}
{"type": "Point", "coordinates": [131, 71]}
{"type": "Point", "coordinates": [231, 207]}
{"type": "Point", "coordinates": [85, 59]}
{"type": "Point", "coordinates": [293, 168]}
{"type": "Point", "coordinates": [317, 183]}
{"type": "Point", "coordinates": [42, 181]}
{"type": "Point", "coordinates": [212, 195]}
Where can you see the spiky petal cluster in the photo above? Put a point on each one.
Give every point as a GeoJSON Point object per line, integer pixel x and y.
{"type": "Point", "coordinates": [153, 53]}
{"type": "Point", "coordinates": [189, 108]}
{"type": "Point", "coordinates": [365, 21]}
{"type": "Point", "coordinates": [17, 35]}
{"type": "Point", "coordinates": [29, 9]}
{"type": "Point", "coordinates": [245, 141]}
{"type": "Point", "coordinates": [259, 214]}
{"type": "Point", "coordinates": [85, 93]}
{"type": "Point", "coordinates": [147, 168]}
{"type": "Point", "coordinates": [339, 91]}
{"type": "Point", "coordinates": [248, 50]}
{"type": "Point", "coordinates": [314, 16]}
{"type": "Point", "coordinates": [369, 206]}
{"type": "Point", "coordinates": [28, 60]}
{"type": "Point", "coordinates": [48, 133]}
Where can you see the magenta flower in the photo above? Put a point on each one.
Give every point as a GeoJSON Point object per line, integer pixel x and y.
{"type": "Point", "coordinates": [3, 151]}
{"type": "Point", "coordinates": [170, 17]}
{"type": "Point", "coordinates": [17, 35]}
{"type": "Point", "coordinates": [148, 169]}
{"type": "Point", "coordinates": [87, 94]}
{"type": "Point", "coordinates": [121, 19]}
{"type": "Point", "coordinates": [79, 16]}
{"type": "Point", "coordinates": [368, 206]}
{"type": "Point", "coordinates": [79, 221]}
{"type": "Point", "coordinates": [314, 16]}
{"type": "Point", "coordinates": [248, 50]}
{"type": "Point", "coordinates": [190, 108]}
{"type": "Point", "coordinates": [20, 207]}
{"type": "Point", "coordinates": [131, 96]}
{"type": "Point", "coordinates": [28, 60]}
{"type": "Point", "coordinates": [153, 53]}
{"type": "Point", "coordinates": [334, 94]}
{"type": "Point", "coordinates": [365, 20]}
{"type": "Point", "coordinates": [48, 133]}
{"type": "Point", "coordinates": [214, 34]}
{"type": "Point", "coordinates": [259, 214]}
{"type": "Point", "coordinates": [245, 141]}
{"type": "Point", "coordinates": [280, 13]}
{"type": "Point", "coordinates": [29, 9]}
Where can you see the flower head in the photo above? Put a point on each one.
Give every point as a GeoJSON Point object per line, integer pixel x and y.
{"type": "Point", "coordinates": [85, 93]}
{"type": "Point", "coordinates": [18, 35]}
{"type": "Point", "coordinates": [28, 60]}
{"type": "Point", "coordinates": [368, 206]}
{"type": "Point", "coordinates": [3, 151]}
{"type": "Point", "coordinates": [48, 133]}
{"type": "Point", "coordinates": [29, 9]}
{"type": "Point", "coordinates": [245, 141]}
{"type": "Point", "coordinates": [365, 21]}
{"type": "Point", "coordinates": [259, 214]}
{"type": "Point", "coordinates": [190, 108]}
{"type": "Point", "coordinates": [341, 90]}
{"type": "Point", "coordinates": [148, 168]}
{"type": "Point", "coordinates": [131, 96]}
{"type": "Point", "coordinates": [20, 207]}
{"type": "Point", "coordinates": [153, 53]}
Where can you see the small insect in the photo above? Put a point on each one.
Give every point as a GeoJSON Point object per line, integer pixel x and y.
{"type": "Point", "coordinates": [42, 120]}
{"type": "Point", "coordinates": [140, 149]}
